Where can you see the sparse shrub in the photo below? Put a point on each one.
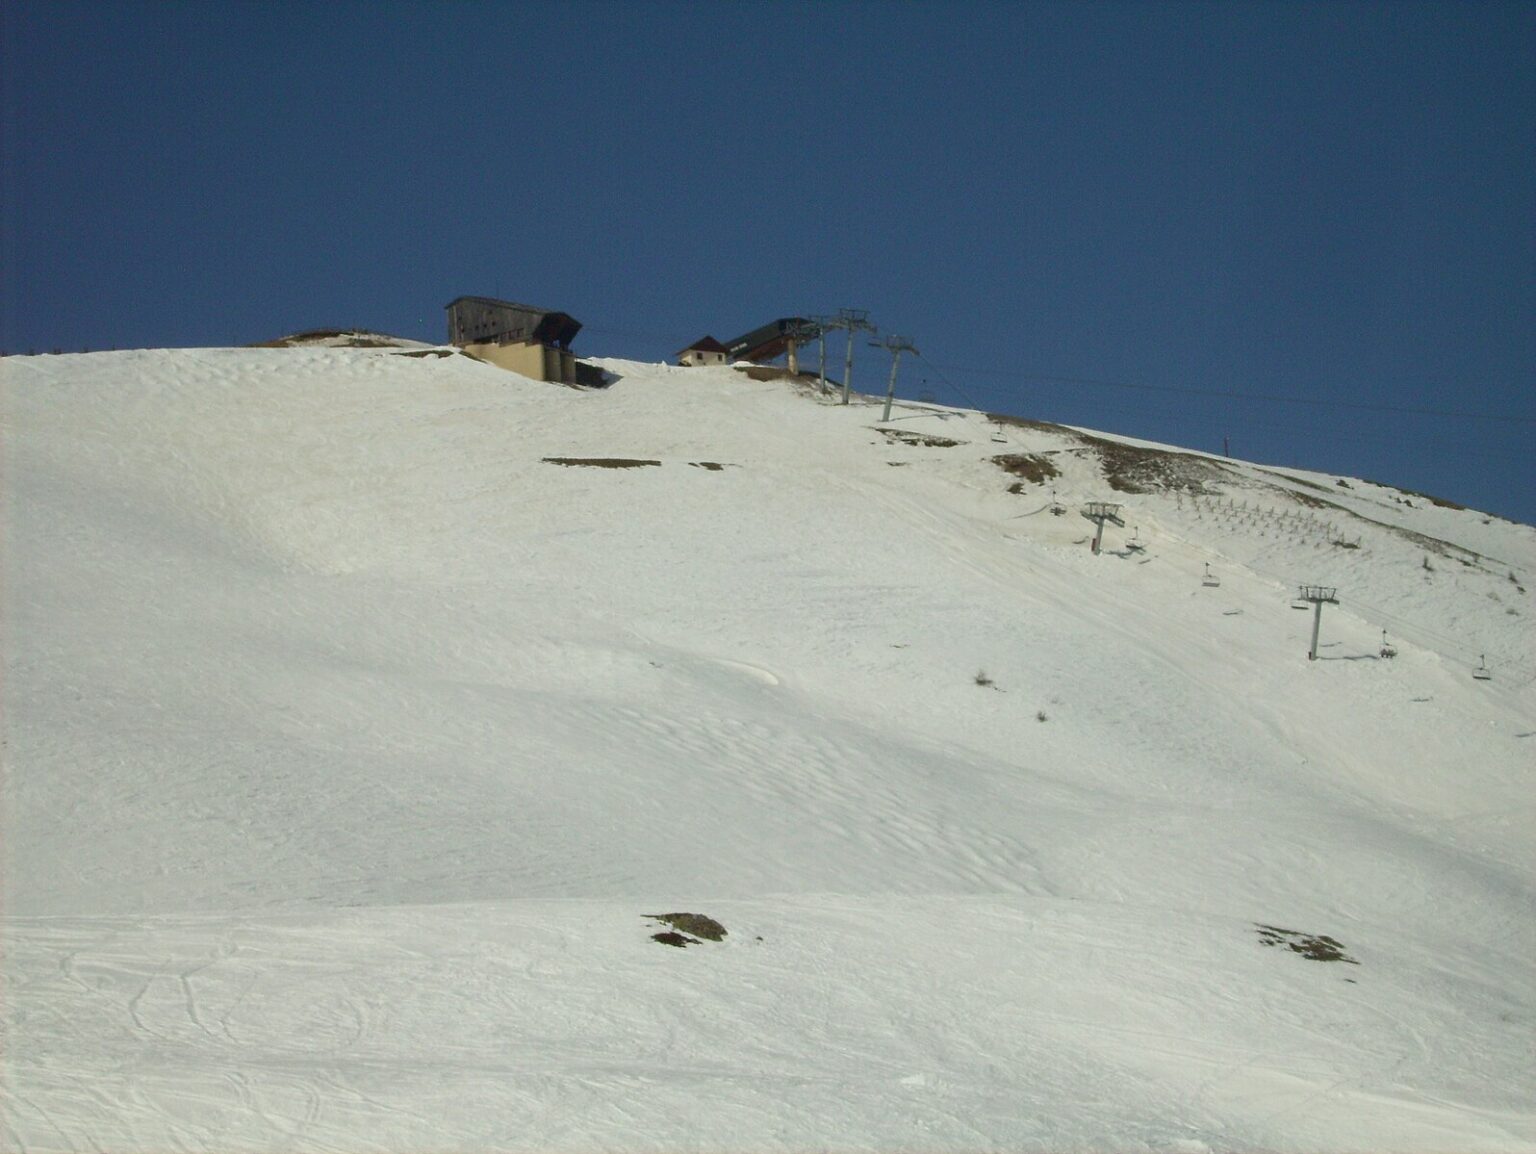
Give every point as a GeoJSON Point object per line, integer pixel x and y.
{"type": "Point", "coordinates": [1040, 715]}
{"type": "Point", "coordinates": [982, 679]}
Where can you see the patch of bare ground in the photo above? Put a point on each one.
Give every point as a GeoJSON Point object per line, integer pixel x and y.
{"type": "Point", "coordinates": [1316, 947]}
{"type": "Point", "coordinates": [1026, 423]}
{"type": "Point", "coordinates": [1139, 469]}
{"type": "Point", "coordinates": [1305, 499]}
{"type": "Point", "coordinates": [1430, 497]}
{"type": "Point", "coordinates": [1033, 467]}
{"type": "Point", "coordinates": [907, 437]}
{"type": "Point", "coordinates": [1353, 519]}
{"type": "Point", "coordinates": [1131, 468]}
{"type": "Point", "coordinates": [1308, 501]}
{"type": "Point", "coordinates": [602, 462]}
{"type": "Point", "coordinates": [430, 353]}
{"type": "Point", "coordinates": [303, 338]}
{"type": "Point", "coordinates": [712, 466]}
{"type": "Point", "coordinates": [1441, 502]}
{"type": "Point", "coordinates": [774, 373]}
{"type": "Point", "coordinates": [350, 338]}
{"type": "Point", "coordinates": [687, 929]}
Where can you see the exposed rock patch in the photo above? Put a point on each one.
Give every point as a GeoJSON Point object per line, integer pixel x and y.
{"type": "Point", "coordinates": [1033, 467]}
{"type": "Point", "coordinates": [687, 929]}
{"type": "Point", "coordinates": [602, 462]}
{"type": "Point", "coordinates": [1316, 947]}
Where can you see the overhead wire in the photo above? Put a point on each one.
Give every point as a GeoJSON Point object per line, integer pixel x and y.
{"type": "Point", "coordinates": [1022, 377]}
{"type": "Point", "coordinates": [1238, 395]}
{"type": "Point", "coordinates": [1495, 448]}
{"type": "Point", "coordinates": [961, 393]}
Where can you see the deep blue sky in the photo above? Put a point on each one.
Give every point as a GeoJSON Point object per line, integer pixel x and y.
{"type": "Point", "coordinates": [1309, 228]}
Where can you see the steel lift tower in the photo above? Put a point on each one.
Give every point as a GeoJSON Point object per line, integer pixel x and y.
{"type": "Point", "coordinates": [1098, 512]}
{"type": "Point", "coordinates": [897, 345]}
{"type": "Point", "coordinates": [850, 321]}
{"type": "Point", "coordinates": [1318, 595]}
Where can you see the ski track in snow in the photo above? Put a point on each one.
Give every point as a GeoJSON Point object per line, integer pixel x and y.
{"type": "Point", "coordinates": [348, 745]}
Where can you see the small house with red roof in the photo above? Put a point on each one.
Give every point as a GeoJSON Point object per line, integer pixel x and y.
{"type": "Point", "coordinates": [704, 351]}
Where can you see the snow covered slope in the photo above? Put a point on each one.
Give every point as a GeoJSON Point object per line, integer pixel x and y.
{"type": "Point", "coordinates": [362, 705]}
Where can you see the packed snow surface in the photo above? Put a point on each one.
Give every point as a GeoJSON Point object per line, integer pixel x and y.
{"type": "Point", "coordinates": [365, 707]}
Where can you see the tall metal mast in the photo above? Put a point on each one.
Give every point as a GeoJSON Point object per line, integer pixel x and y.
{"type": "Point", "coordinates": [851, 321]}
{"type": "Point", "coordinates": [897, 345]}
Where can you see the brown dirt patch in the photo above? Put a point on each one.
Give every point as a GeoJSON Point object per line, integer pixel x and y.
{"type": "Point", "coordinates": [603, 462]}
{"type": "Point", "coordinates": [905, 437]}
{"type": "Point", "coordinates": [670, 939]}
{"type": "Point", "coordinates": [1026, 423]}
{"type": "Point", "coordinates": [1316, 947]}
{"type": "Point", "coordinates": [698, 925]}
{"type": "Point", "coordinates": [1033, 467]}
{"type": "Point", "coordinates": [773, 373]}
{"type": "Point", "coordinates": [1138, 469]}
{"type": "Point", "coordinates": [356, 339]}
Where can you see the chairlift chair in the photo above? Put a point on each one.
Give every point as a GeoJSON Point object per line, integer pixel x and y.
{"type": "Point", "coordinates": [1482, 672]}
{"type": "Point", "coordinates": [1388, 650]}
{"type": "Point", "coordinates": [1210, 580]}
{"type": "Point", "coordinates": [998, 436]}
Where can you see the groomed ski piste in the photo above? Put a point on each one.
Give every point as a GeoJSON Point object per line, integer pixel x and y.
{"type": "Point", "coordinates": [365, 708]}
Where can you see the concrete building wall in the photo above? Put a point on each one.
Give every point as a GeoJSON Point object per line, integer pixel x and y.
{"type": "Point", "coordinates": [527, 359]}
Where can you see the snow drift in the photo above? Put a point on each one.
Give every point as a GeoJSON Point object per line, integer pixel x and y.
{"type": "Point", "coordinates": [361, 705]}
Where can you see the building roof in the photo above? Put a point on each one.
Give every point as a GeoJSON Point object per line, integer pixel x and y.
{"type": "Point", "coordinates": [501, 303]}
{"type": "Point", "coordinates": [767, 342]}
{"type": "Point", "coordinates": [704, 345]}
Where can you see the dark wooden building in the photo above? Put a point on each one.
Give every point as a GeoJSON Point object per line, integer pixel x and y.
{"type": "Point", "coordinates": [487, 321]}
{"type": "Point", "coordinates": [532, 341]}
